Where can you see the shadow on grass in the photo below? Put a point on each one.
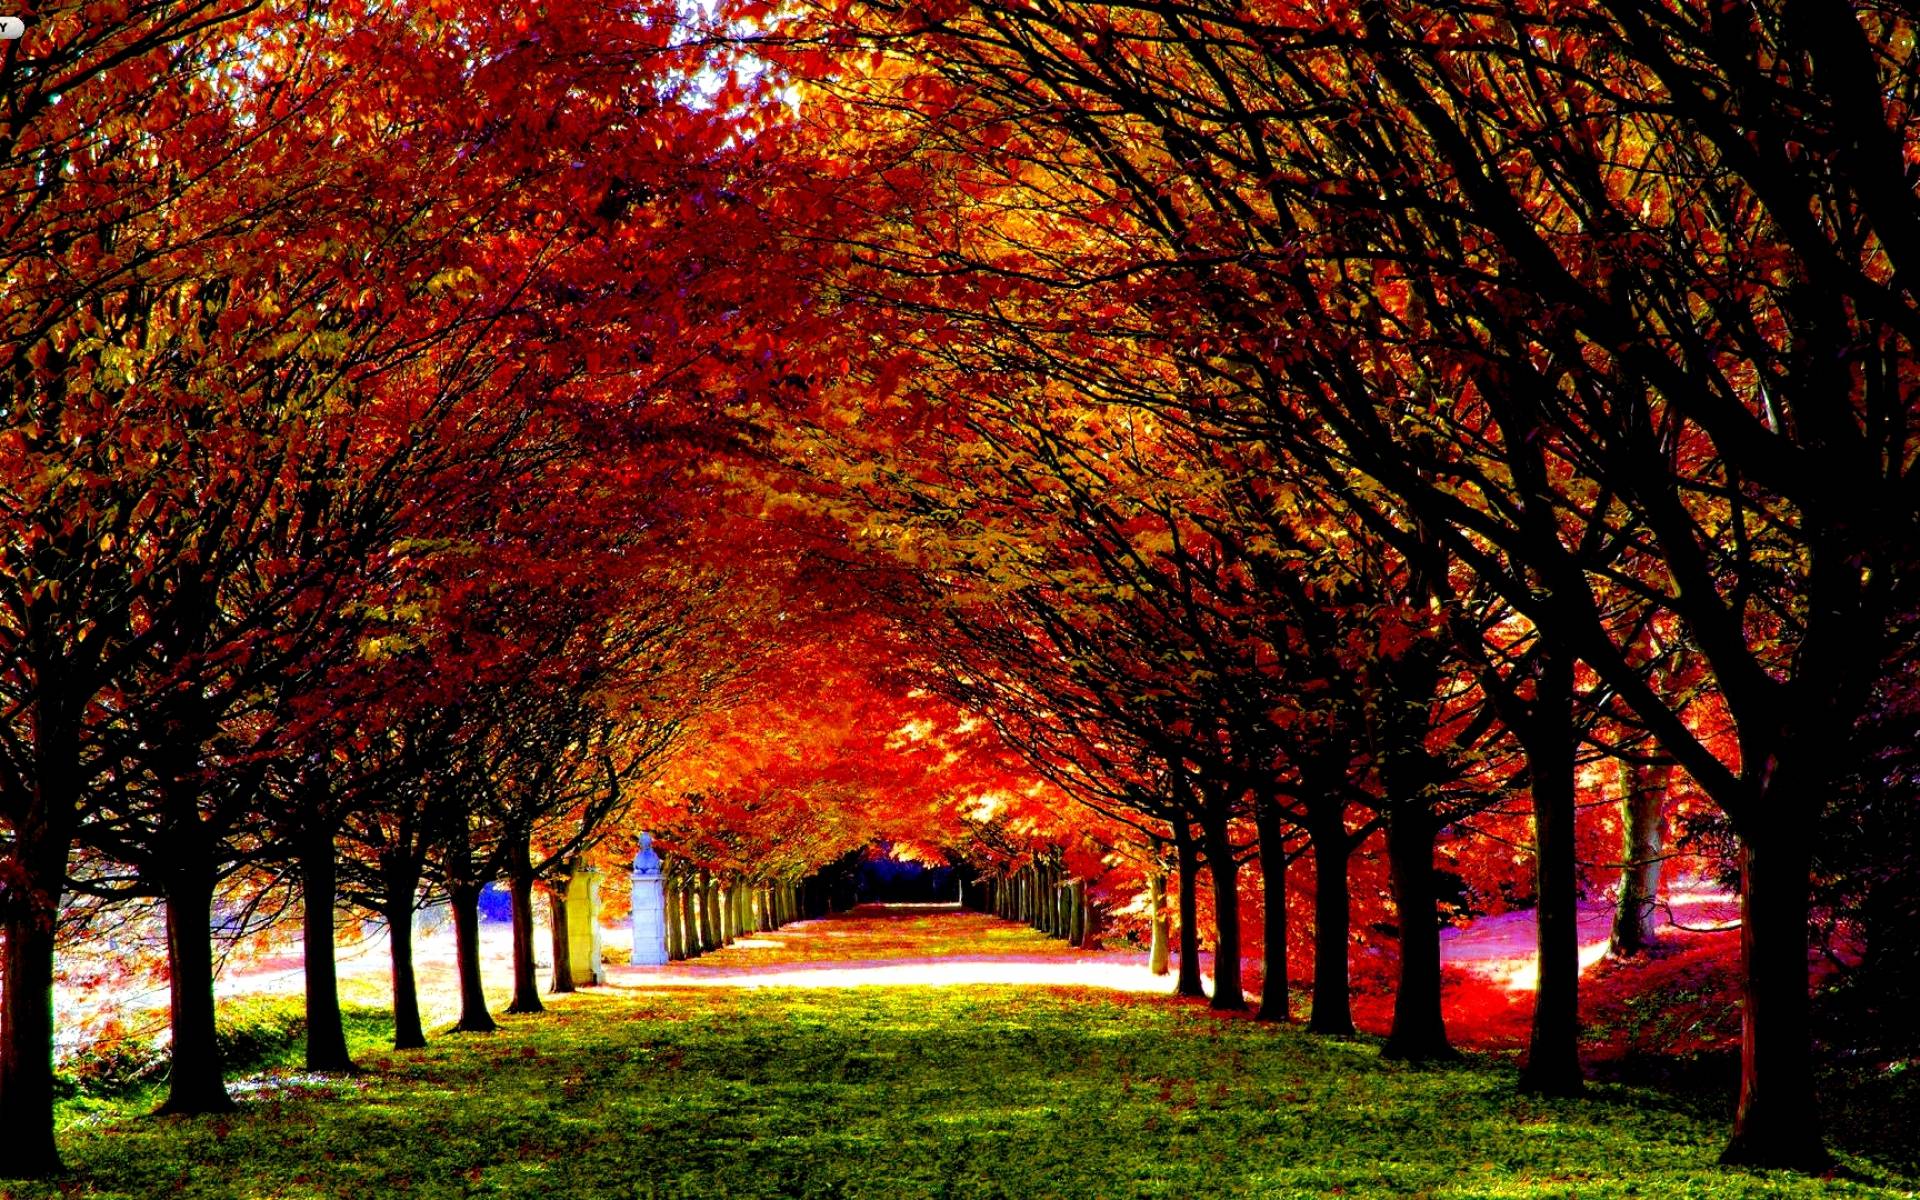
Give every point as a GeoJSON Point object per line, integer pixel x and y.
{"type": "Point", "coordinates": [909, 1092]}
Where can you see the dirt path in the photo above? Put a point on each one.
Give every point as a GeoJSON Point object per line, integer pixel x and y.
{"type": "Point", "coordinates": [881, 945]}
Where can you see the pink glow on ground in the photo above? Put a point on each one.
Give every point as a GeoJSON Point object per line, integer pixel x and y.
{"type": "Point", "coordinates": [1502, 948]}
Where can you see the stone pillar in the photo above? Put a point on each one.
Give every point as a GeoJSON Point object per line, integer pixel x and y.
{"type": "Point", "coordinates": [649, 907]}
{"type": "Point", "coordinates": [583, 925]}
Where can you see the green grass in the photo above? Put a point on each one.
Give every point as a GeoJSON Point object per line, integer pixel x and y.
{"type": "Point", "coordinates": [954, 1092]}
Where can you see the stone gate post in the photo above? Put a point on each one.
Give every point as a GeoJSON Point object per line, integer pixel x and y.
{"type": "Point", "coordinates": [649, 907]}
{"type": "Point", "coordinates": [583, 925]}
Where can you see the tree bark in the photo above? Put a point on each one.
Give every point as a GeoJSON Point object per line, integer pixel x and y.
{"type": "Point", "coordinates": [1553, 1050]}
{"type": "Point", "coordinates": [670, 915]}
{"type": "Point", "coordinates": [1228, 993]}
{"type": "Point", "coordinates": [1777, 1124]}
{"type": "Point", "coordinates": [1642, 797]}
{"type": "Point", "coordinates": [195, 1080]}
{"type": "Point", "coordinates": [1332, 925]}
{"type": "Point", "coordinates": [703, 924]}
{"type": "Point", "coordinates": [26, 1036]}
{"type": "Point", "coordinates": [326, 1033]}
{"type": "Point", "coordinates": [1274, 998]}
{"type": "Point", "coordinates": [407, 1032]}
{"type": "Point", "coordinates": [463, 897]}
{"type": "Point", "coordinates": [1419, 1032]}
{"type": "Point", "coordinates": [1060, 908]}
{"type": "Point", "coordinates": [1159, 953]}
{"type": "Point", "coordinates": [1188, 855]}
{"type": "Point", "coordinates": [526, 983]}
{"type": "Point", "coordinates": [562, 943]}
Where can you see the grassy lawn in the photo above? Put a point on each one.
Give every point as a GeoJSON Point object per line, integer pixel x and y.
{"type": "Point", "coordinates": [896, 1092]}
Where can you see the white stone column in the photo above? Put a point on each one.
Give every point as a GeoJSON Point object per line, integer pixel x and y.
{"type": "Point", "coordinates": [649, 907]}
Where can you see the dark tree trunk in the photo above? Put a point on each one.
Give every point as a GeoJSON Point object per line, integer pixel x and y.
{"type": "Point", "coordinates": [26, 1033]}
{"type": "Point", "coordinates": [464, 899]}
{"type": "Point", "coordinates": [326, 1033]}
{"type": "Point", "coordinates": [1553, 1050]}
{"type": "Point", "coordinates": [562, 944]}
{"type": "Point", "coordinates": [1160, 954]}
{"type": "Point", "coordinates": [670, 915]}
{"type": "Point", "coordinates": [709, 911]}
{"type": "Point", "coordinates": [1419, 1033]}
{"type": "Point", "coordinates": [1188, 856]}
{"type": "Point", "coordinates": [195, 1079]}
{"type": "Point", "coordinates": [1274, 998]}
{"type": "Point", "coordinates": [1642, 797]}
{"type": "Point", "coordinates": [1228, 993]}
{"type": "Point", "coordinates": [1062, 908]}
{"type": "Point", "coordinates": [407, 1031]}
{"type": "Point", "coordinates": [1777, 1124]}
{"type": "Point", "coordinates": [1332, 923]}
{"type": "Point", "coordinates": [526, 983]}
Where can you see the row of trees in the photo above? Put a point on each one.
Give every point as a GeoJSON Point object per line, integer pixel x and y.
{"type": "Point", "coordinates": [707, 913]}
{"type": "Point", "coordinates": [1336, 418]}
{"type": "Point", "coordinates": [345, 377]}
{"type": "Point", "coordinates": [1284, 431]}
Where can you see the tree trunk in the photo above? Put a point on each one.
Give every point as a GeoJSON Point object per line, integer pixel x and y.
{"type": "Point", "coordinates": [562, 944]}
{"type": "Point", "coordinates": [407, 1032]}
{"type": "Point", "coordinates": [526, 984]}
{"type": "Point", "coordinates": [1777, 1124]}
{"type": "Point", "coordinates": [1228, 993]}
{"type": "Point", "coordinates": [26, 1035]}
{"type": "Point", "coordinates": [326, 1033]}
{"type": "Point", "coordinates": [670, 915]}
{"type": "Point", "coordinates": [195, 1082]}
{"type": "Point", "coordinates": [1274, 1000]}
{"type": "Point", "coordinates": [709, 931]}
{"type": "Point", "coordinates": [1642, 796]}
{"type": "Point", "coordinates": [463, 898]}
{"type": "Point", "coordinates": [1419, 1033]}
{"type": "Point", "coordinates": [1553, 1051]}
{"type": "Point", "coordinates": [1188, 855]}
{"type": "Point", "coordinates": [1159, 955]}
{"type": "Point", "coordinates": [1332, 923]}
{"type": "Point", "coordinates": [1077, 916]}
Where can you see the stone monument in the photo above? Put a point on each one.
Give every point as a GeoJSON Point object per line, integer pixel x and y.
{"type": "Point", "coordinates": [649, 907]}
{"type": "Point", "coordinates": [583, 926]}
